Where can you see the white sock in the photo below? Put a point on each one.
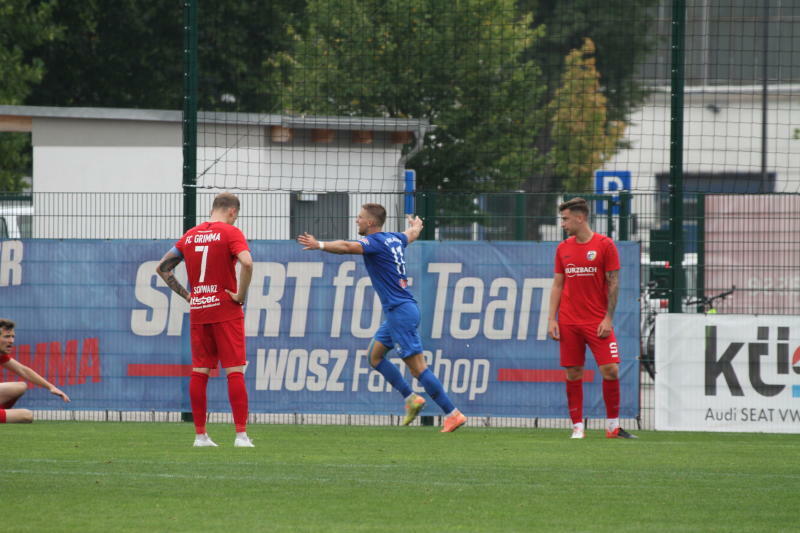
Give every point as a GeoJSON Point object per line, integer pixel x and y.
{"type": "Point", "coordinates": [612, 424]}
{"type": "Point", "coordinates": [241, 434]}
{"type": "Point", "coordinates": [579, 425]}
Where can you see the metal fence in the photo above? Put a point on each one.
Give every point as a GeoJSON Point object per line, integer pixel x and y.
{"type": "Point", "coordinates": [726, 237]}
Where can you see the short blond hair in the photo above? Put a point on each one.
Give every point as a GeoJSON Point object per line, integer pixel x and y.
{"type": "Point", "coordinates": [225, 200]}
{"type": "Point", "coordinates": [377, 212]}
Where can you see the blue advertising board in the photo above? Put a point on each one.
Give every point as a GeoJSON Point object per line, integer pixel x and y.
{"type": "Point", "coordinates": [93, 317]}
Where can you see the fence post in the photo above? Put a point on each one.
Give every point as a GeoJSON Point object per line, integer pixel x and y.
{"type": "Point", "coordinates": [426, 204]}
{"type": "Point", "coordinates": [624, 215]}
{"type": "Point", "coordinates": [701, 247]}
{"type": "Point", "coordinates": [678, 282]}
{"type": "Point", "coordinates": [519, 216]}
{"type": "Point", "coordinates": [189, 142]}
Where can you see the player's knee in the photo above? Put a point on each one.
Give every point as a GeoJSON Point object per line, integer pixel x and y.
{"type": "Point", "coordinates": [375, 360]}
{"type": "Point", "coordinates": [20, 387]}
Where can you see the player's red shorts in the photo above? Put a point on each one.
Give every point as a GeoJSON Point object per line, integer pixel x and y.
{"type": "Point", "coordinates": [218, 342]}
{"type": "Point", "coordinates": [575, 338]}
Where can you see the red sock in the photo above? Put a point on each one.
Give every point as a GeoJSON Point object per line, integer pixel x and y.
{"type": "Point", "coordinates": [2, 416]}
{"type": "Point", "coordinates": [575, 400]}
{"type": "Point", "coordinates": [237, 394]}
{"type": "Point", "coordinates": [611, 397]}
{"type": "Point", "coordinates": [197, 395]}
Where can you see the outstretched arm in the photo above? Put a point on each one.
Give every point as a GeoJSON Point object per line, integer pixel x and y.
{"type": "Point", "coordinates": [31, 375]}
{"type": "Point", "coordinates": [165, 267]}
{"type": "Point", "coordinates": [310, 242]}
{"type": "Point", "coordinates": [414, 228]}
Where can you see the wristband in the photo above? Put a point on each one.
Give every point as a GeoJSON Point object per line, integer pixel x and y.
{"type": "Point", "coordinates": [321, 245]}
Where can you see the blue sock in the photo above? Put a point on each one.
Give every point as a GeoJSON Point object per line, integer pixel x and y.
{"type": "Point", "coordinates": [435, 390]}
{"type": "Point", "coordinates": [393, 376]}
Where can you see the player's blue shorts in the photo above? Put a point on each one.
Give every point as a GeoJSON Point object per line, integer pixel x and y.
{"type": "Point", "coordinates": [400, 330]}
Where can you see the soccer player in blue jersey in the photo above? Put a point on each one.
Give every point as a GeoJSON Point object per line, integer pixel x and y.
{"type": "Point", "coordinates": [385, 262]}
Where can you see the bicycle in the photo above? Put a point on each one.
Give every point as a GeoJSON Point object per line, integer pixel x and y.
{"type": "Point", "coordinates": [647, 344]}
{"type": "Point", "coordinates": [706, 304]}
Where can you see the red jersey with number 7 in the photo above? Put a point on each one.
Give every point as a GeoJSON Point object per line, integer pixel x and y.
{"type": "Point", "coordinates": [584, 299]}
{"type": "Point", "coordinates": [209, 251]}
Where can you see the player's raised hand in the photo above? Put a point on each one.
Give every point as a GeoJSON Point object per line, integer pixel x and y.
{"type": "Point", "coordinates": [59, 392]}
{"type": "Point", "coordinates": [414, 221]}
{"type": "Point", "coordinates": [308, 241]}
{"type": "Point", "coordinates": [414, 227]}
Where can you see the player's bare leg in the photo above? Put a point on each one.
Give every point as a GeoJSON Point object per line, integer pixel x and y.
{"type": "Point", "coordinates": [11, 392]}
{"type": "Point", "coordinates": [16, 416]}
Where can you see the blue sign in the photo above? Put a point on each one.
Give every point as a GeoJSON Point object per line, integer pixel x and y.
{"type": "Point", "coordinates": [94, 318]}
{"type": "Point", "coordinates": [607, 181]}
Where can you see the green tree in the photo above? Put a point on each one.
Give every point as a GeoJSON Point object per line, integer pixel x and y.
{"type": "Point", "coordinates": [622, 33]}
{"type": "Point", "coordinates": [23, 24]}
{"type": "Point", "coordinates": [458, 63]}
{"type": "Point", "coordinates": [129, 53]}
{"type": "Point", "coordinates": [583, 137]}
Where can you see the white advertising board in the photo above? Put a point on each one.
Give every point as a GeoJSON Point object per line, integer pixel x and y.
{"type": "Point", "coordinates": [728, 373]}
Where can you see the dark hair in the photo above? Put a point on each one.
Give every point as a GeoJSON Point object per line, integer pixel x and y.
{"type": "Point", "coordinates": [377, 212]}
{"type": "Point", "coordinates": [6, 324]}
{"type": "Point", "coordinates": [576, 205]}
{"type": "Point", "coordinates": [225, 200]}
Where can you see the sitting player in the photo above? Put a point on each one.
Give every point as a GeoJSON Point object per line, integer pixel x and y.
{"type": "Point", "coordinates": [11, 392]}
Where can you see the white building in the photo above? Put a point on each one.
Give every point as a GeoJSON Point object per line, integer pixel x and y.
{"type": "Point", "coordinates": [291, 172]}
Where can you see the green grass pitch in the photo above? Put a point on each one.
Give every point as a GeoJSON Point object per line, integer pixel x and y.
{"type": "Point", "coordinates": [80, 476]}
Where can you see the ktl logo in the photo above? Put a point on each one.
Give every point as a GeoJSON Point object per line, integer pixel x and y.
{"type": "Point", "coordinates": [756, 352]}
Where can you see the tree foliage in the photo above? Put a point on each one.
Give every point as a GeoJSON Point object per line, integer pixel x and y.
{"type": "Point", "coordinates": [23, 24]}
{"type": "Point", "coordinates": [458, 64]}
{"type": "Point", "coordinates": [583, 137]}
{"type": "Point", "coordinates": [129, 53]}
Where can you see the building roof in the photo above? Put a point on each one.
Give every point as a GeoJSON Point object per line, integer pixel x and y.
{"type": "Point", "coordinates": [165, 115]}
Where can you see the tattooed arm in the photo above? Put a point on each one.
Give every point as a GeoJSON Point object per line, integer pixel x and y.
{"type": "Point", "coordinates": [612, 279]}
{"type": "Point", "coordinates": [165, 267]}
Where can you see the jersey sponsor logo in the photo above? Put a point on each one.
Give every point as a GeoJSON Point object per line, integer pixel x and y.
{"type": "Point", "coordinates": [591, 255]}
{"type": "Point", "coordinates": [572, 271]}
{"type": "Point", "coordinates": [203, 289]}
{"type": "Point", "coordinates": [201, 302]}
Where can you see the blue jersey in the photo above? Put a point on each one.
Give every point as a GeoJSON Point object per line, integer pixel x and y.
{"type": "Point", "coordinates": [386, 264]}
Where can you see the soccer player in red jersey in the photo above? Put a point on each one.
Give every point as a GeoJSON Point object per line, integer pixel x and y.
{"type": "Point", "coordinates": [584, 294]}
{"type": "Point", "coordinates": [211, 251]}
{"type": "Point", "coordinates": [11, 392]}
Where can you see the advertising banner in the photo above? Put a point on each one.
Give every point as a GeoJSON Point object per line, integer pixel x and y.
{"type": "Point", "coordinates": [728, 373]}
{"type": "Point", "coordinates": [94, 318]}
